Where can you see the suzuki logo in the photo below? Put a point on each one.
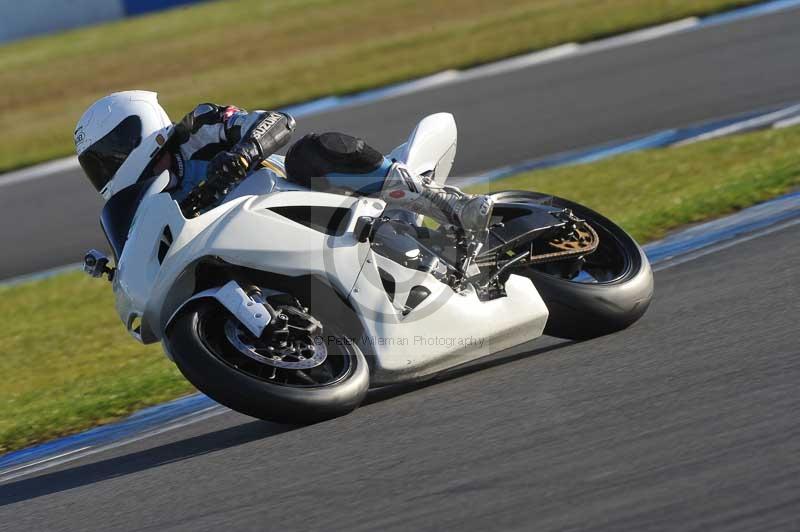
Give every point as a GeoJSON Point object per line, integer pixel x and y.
{"type": "Point", "coordinates": [267, 123]}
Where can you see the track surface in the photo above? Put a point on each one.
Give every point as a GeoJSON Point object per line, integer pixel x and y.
{"type": "Point", "coordinates": [687, 421]}
{"type": "Point", "coordinates": [573, 103]}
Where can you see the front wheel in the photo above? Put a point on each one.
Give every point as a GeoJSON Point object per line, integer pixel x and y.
{"type": "Point", "coordinates": [602, 293]}
{"type": "Point", "coordinates": [299, 379]}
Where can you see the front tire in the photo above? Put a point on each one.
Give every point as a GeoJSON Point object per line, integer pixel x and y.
{"type": "Point", "coordinates": [197, 343]}
{"type": "Point", "coordinates": [611, 292]}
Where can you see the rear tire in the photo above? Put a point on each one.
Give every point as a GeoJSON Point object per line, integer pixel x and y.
{"type": "Point", "coordinates": [193, 341]}
{"type": "Point", "coordinates": [615, 301]}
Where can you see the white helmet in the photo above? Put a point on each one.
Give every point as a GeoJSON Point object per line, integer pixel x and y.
{"type": "Point", "coordinates": [118, 137]}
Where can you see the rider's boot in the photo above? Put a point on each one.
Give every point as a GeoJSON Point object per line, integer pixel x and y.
{"type": "Point", "coordinates": [446, 205]}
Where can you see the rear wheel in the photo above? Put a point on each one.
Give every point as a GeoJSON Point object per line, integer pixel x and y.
{"type": "Point", "coordinates": [604, 292]}
{"type": "Point", "coordinates": [296, 378]}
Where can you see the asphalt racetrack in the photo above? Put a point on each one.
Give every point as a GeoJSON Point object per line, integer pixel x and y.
{"type": "Point", "coordinates": [687, 421]}
{"type": "Point", "coordinates": [572, 103]}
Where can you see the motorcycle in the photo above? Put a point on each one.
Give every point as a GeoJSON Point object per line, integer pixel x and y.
{"type": "Point", "coordinates": [288, 304]}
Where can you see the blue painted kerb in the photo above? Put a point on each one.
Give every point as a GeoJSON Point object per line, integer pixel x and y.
{"type": "Point", "coordinates": [137, 423]}
{"type": "Point", "coordinates": [139, 7]}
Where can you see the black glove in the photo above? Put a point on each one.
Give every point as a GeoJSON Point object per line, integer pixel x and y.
{"type": "Point", "coordinates": [229, 167]}
{"type": "Point", "coordinates": [267, 136]}
{"type": "Point", "coordinates": [205, 193]}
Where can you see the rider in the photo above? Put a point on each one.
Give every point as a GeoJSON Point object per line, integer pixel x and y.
{"type": "Point", "coordinates": [127, 137]}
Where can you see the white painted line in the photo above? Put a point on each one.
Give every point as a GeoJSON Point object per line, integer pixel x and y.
{"type": "Point", "coordinates": [714, 248]}
{"type": "Point", "coordinates": [759, 121]}
{"type": "Point", "coordinates": [428, 82]}
{"type": "Point", "coordinates": [647, 34]}
{"type": "Point", "coordinates": [43, 460]}
{"type": "Point", "coordinates": [519, 62]}
{"type": "Point", "coordinates": [44, 274]}
{"type": "Point", "coordinates": [760, 9]}
{"type": "Point", "coordinates": [202, 415]}
{"type": "Point", "coordinates": [789, 122]}
{"type": "Point", "coordinates": [39, 171]}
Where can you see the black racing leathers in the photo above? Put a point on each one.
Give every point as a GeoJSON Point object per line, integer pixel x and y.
{"type": "Point", "coordinates": [216, 146]}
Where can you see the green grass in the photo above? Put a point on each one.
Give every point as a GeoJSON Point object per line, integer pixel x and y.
{"type": "Point", "coordinates": [651, 192]}
{"type": "Point", "coordinates": [267, 53]}
{"type": "Point", "coordinates": [68, 364]}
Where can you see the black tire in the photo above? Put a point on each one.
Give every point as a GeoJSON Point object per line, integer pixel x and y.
{"type": "Point", "coordinates": [582, 310]}
{"type": "Point", "coordinates": [207, 366]}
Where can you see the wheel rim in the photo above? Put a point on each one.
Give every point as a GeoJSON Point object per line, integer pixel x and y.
{"type": "Point", "coordinates": [299, 353]}
{"type": "Point", "coordinates": [328, 363]}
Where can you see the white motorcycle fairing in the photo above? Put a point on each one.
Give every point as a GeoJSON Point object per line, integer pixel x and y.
{"type": "Point", "coordinates": [402, 336]}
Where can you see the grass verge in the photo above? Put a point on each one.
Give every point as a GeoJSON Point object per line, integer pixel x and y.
{"type": "Point", "coordinates": [256, 53]}
{"type": "Point", "coordinates": [69, 365]}
{"type": "Point", "coordinates": [651, 192]}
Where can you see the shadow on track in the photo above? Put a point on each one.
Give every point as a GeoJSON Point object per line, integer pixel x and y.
{"type": "Point", "coordinates": [49, 483]}
{"type": "Point", "coordinates": [139, 461]}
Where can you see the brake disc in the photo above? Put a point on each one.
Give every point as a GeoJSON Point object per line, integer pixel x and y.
{"type": "Point", "coordinates": [295, 354]}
